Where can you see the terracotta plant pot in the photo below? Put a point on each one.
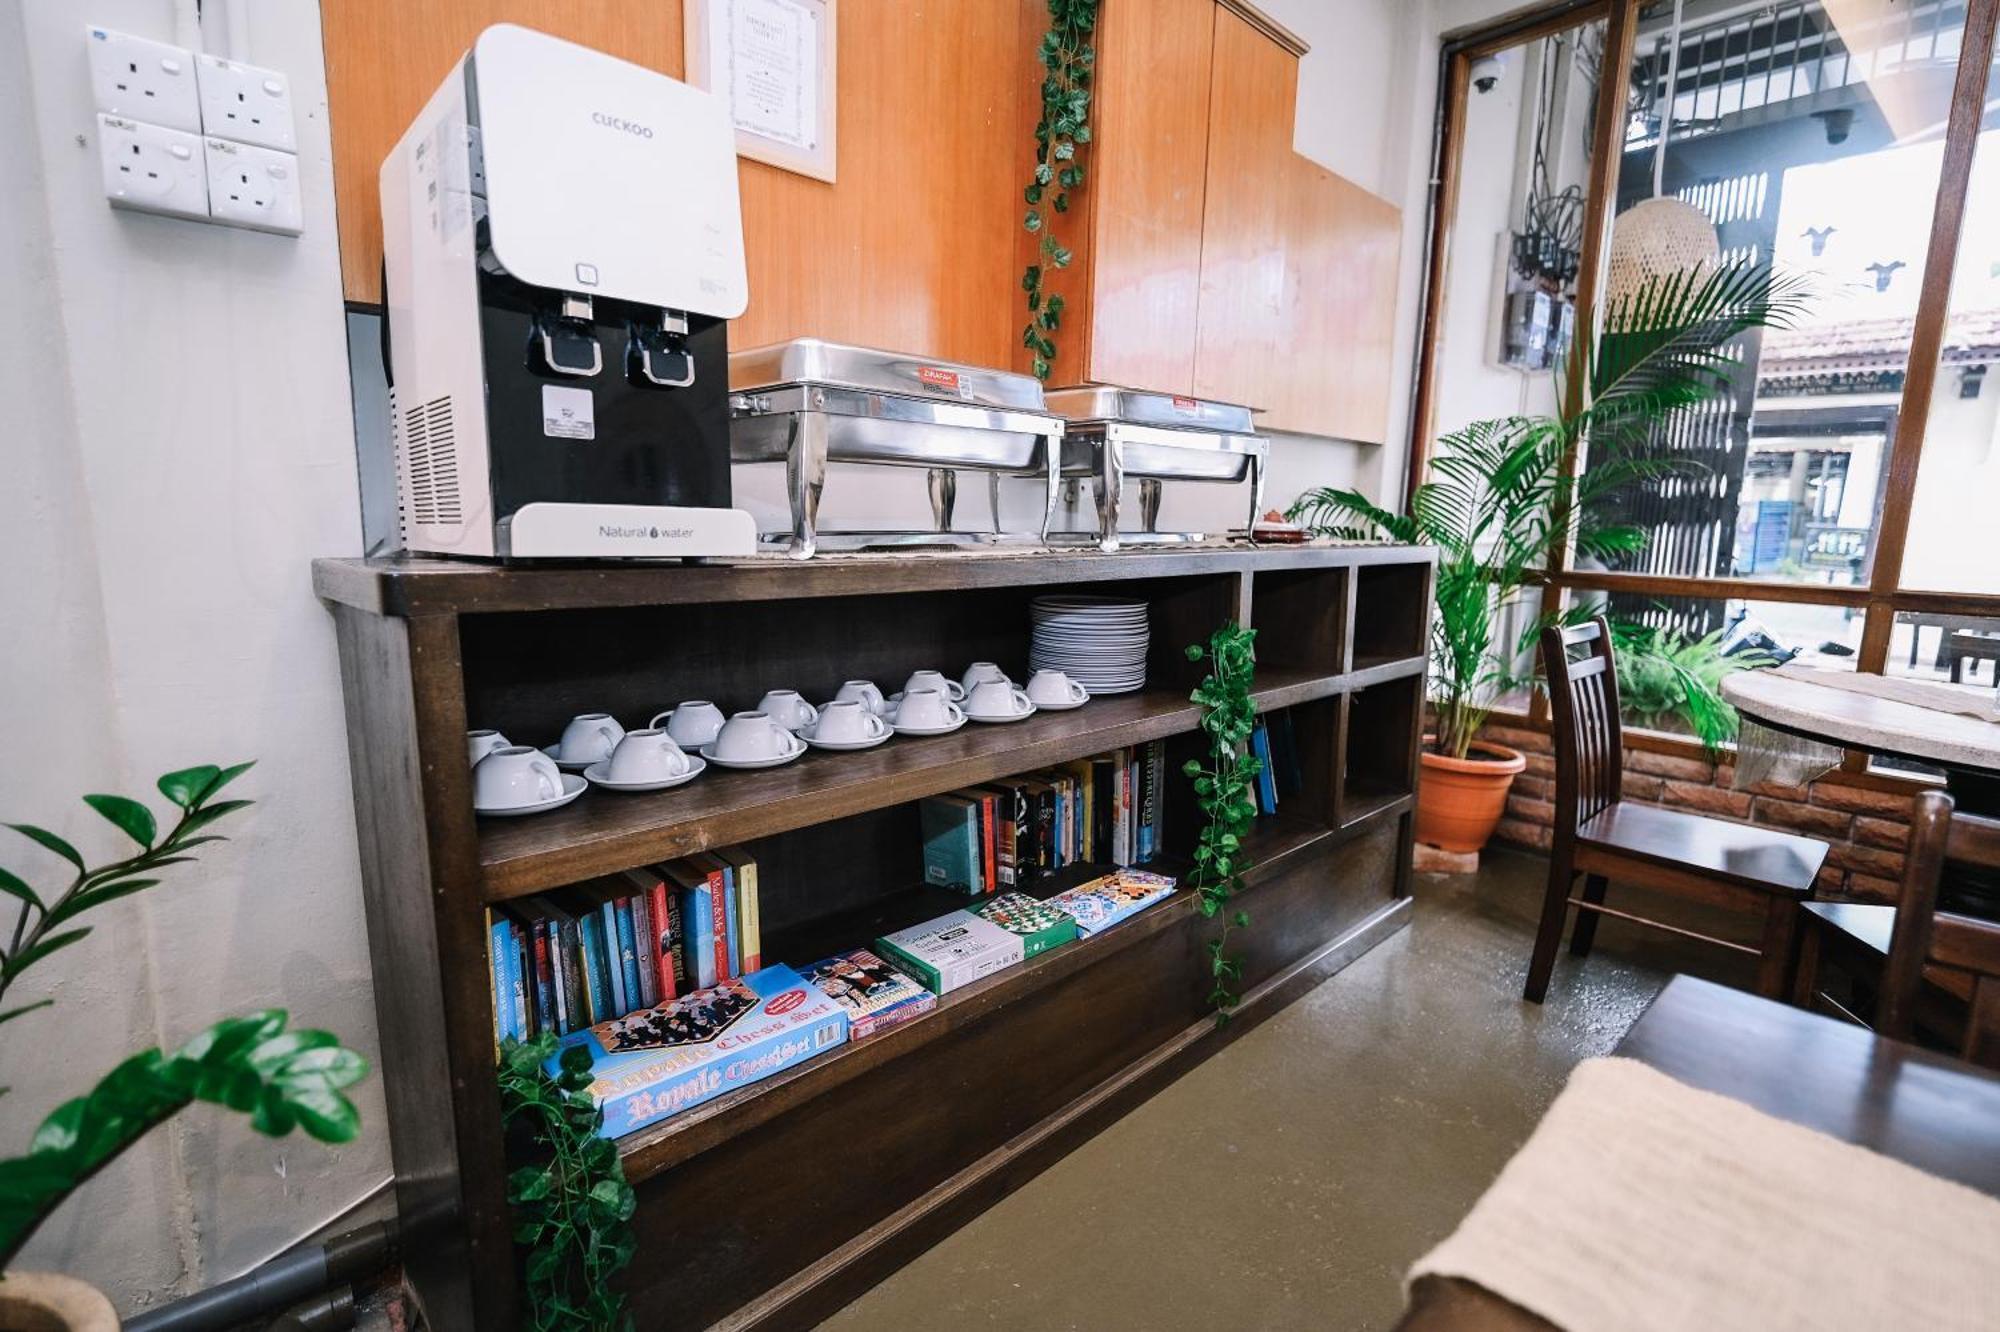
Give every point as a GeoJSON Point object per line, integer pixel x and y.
{"type": "Point", "coordinates": [45, 1302]}
{"type": "Point", "coordinates": [1459, 801]}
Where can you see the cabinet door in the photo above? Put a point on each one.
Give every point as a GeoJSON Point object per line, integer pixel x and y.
{"type": "Point", "coordinates": [1343, 248]}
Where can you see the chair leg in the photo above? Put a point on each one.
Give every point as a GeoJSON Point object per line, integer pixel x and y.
{"type": "Point", "coordinates": [1780, 942]}
{"type": "Point", "coordinates": [1555, 905]}
{"type": "Point", "coordinates": [1805, 973]}
{"type": "Point", "coordinates": [1585, 930]}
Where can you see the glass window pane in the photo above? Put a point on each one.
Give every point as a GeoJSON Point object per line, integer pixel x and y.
{"type": "Point", "coordinates": [1960, 648]}
{"type": "Point", "coordinates": [1808, 136]}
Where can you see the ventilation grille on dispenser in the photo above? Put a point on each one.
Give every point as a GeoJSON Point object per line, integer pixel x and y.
{"type": "Point", "coordinates": [430, 448]}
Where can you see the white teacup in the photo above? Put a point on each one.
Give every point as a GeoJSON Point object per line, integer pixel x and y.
{"type": "Point", "coordinates": [848, 722]}
{"type": "Point", "coordinates": [998, 698]}
{"type": "Point", "coordinates": [1053, 689]}
{"type": "Point", "coordinates": [979, 672]}
{"type": "Point", "coordinates": [951, 689]}
{"type": "Point", "coordinates": [928, 709]}
{"type": "Point", "coordinates": [748, 737]}
{"type": "Point", "coordinates": [788, 709]}
{"type": "Point", "coordinates": [863, 692]}
{"type": "Point", "coordinates": [692, 724]}
{"type": "Point", "coordinates": [515, 776]}
{"type": "Point", "coordinates": [589, 738]}
{"type": "Point", "coordinates": [478, 744]}
{"type": "Point", "coordinates": [648, 755]}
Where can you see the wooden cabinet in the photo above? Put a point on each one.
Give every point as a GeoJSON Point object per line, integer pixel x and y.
{"type": "Point", "coordinates": [1212, 259]}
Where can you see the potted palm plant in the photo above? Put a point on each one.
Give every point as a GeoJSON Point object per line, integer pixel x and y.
{"type": "Point", "coordinates": [1502, 497]}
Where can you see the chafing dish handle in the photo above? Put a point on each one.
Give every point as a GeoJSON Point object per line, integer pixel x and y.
{"type": "Point", "coordinates": [805, 478]}
{"type": "Point", "coordinates": [1110, 485]}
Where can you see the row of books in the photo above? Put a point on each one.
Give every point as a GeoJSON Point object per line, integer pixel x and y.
{"type": "Point", "coordinates": [594, 952]}
{"type": "Point", "coordinates": [1273, 742]}
{"type": "Point", "coordinates": [1005, 834]}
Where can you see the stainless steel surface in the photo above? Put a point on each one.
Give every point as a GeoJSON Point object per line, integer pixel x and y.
{"type": "Point", "coordinates": [1150, 491]}
{"type": "Point", "coordinates": [1109, 452]}
{"type": "Point", "coordinates": [944, 496]}
{"type": "Point", "coordinates": [1102, 402]}
{"type": "Point", "coordinates": [837, 364]}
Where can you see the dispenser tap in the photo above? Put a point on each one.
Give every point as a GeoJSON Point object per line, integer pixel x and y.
{"type": "Point", "coordinates": [569, 338]}
{"type": "Point", "coordinates": [659, 355]}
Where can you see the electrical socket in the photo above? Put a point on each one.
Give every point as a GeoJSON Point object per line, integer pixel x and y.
{"type": "Point", "coordinates": [152, 169]}
{"type": "Point", "coordinates": [245, 103]}
{"type": "Point", "coordinates": [136, 79]}
{"type": "Point", "coordinates": [253, 187]}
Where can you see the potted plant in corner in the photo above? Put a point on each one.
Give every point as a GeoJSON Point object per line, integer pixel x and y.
{"type": "Point", "coordinates": [1501, 498]}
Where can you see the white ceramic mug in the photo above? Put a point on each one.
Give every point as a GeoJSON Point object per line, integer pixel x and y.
{"type": "Point", "coordinates": [589, 738]}
{"type": "Point", "coordinates": [998, 698]}
{"type": "Point", "coordinates": [863, 692]}
{"type": "Point", "coordinates": [785, 707]}
{"type": "Point", "coordinates": [847, 722]}
{"type": "Point", "coordinates": [515, 776]}
{"type": "Point", "coordinates": [979, 672]}
{"type": "Point", "coordinates": [1054, 689]}
{"type": "Point", "coordinates": [478, 744]}
{"type": "Point", "coordinates": [692, 724]}
{"type": "Point", "coordinates": [951, 689]}
{"type": "Point", "coordinates": [928, 709]}
{"type": "Point", "coordinates": [748, 737]}
{"type": "Point", "coordinates": [648, 755]}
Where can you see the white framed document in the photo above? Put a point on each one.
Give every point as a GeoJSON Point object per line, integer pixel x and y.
{"type": "Point", "coordinates": [774, 62]}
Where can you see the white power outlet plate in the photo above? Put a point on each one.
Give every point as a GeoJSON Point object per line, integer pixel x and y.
{"type": "Point", "coordinates": [253, 187]}
{"type": "Point", "coordinates": [136, 79]}
{"type": "Point", "coordinates": [245, 103]}
{"type": "Point", "coordinates": [152, 169]}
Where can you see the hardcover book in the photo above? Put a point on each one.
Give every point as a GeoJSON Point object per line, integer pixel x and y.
{"type": "Point", "coordinates": [875, 994]}
{"type": "Point", "coordinates": [698, 923]}
{"type": "Point", "coordinates": [1040, 925]}
{"type": "Point", "coordinates": [662, 1060]}
{"type": "Point", "coordinates": [749, 915]}
{"type": "Point", "coordinates": [1102, 903]}
{"type": "Point", "coordinates": [954, 950]}
{"type": "Point", "coordinates": [952, 848]}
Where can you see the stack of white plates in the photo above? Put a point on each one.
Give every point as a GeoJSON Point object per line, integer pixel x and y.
{"type": "Point", "coordinates": [1100, 642]}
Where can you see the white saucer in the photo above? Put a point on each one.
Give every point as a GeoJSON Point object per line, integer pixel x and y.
{"type": "Point", "coordinates": [568, 765]}
{"type": "Point", "coordinates": [598, 775]}
{"type": "Point", "coordinates": [572, 788]}
{"type": "Point", "coordinates": [1010, 717]}
{"type": "Point", "coordinates": [935, 730]}
{"type": "Point", "coordinates": [845, 744]}
{"type": "Point", "coordinates": [1061, 707]}
{"type": "Point", "coordinates": [708, 752]}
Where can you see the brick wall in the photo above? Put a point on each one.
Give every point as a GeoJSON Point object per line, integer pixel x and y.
{"type": "Point", "coordinates": [1866, 827]}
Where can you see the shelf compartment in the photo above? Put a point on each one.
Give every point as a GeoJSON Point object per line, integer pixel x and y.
{"type": "Point", "coordinates": [1301, 618]}
{"type": "Point", "coordinates": [1378, 763]}
{"type": "Point", "coordinates": [1391, 614]}
{"type": "Point", "coordinates": [604, 832]}
{"type": "Point", "coordinates": [1274, 845]}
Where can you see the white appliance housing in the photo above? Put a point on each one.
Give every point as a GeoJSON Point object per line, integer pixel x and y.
{"type": "Point", "coordinates": [562, 241]}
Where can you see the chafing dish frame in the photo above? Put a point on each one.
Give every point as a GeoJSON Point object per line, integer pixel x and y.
{"type": "Point", "coordinates": [1108, 452]}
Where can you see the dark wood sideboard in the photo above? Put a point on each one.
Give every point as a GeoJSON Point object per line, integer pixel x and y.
{"type": "Point", "coordinates": [777, 1203]}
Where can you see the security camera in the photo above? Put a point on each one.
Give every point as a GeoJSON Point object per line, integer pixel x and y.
{"type": "Point", "coordinates": [1487, 72]}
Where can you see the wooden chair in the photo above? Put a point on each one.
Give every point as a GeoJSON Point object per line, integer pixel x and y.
{"type": "Point", "coordinates": [1601, 836]}
{"type": "Point", "coordinates": [1926, 942]}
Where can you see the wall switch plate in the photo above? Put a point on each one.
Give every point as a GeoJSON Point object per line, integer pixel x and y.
{"type": "Point", "coordinates": [253, 187]}
{"type": "Point", "coordinates": [245, 104]}
{"type": "Point", "coordinates": [152, 169]}
{"type": "Point", "coordinates": [136, 79]}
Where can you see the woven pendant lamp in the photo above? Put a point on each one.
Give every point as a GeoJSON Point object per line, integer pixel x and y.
{"type": "Point", "coordinates": [1661, 235]}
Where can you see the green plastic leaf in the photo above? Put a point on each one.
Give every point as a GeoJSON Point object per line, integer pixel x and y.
{"type": "Point", "coordinates": [35, 952]}
{"type": "Point", "coordinates": [49, 841]}
{"type": "Point", "coordinates": [1033, 221]}
{"type": "Point", "coordinates": [206, 815]}
{"type": "Point", "coordinates": [13, 1013]}
{"type": "Point", "coordinates": [132, 818]}
{"type": "Point", "coordinates": [224, 778]}
{"type": "Point", "coordinates": [186, 786]}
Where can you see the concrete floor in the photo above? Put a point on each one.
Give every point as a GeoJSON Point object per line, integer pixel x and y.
{"type": "Point", "coordinates": [1290, 1180]}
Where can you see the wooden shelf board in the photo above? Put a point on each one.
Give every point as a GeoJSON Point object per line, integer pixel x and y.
{"type": "Point", "coordinates": [605, 832]}
{"type": "Point", "coordinates": [418, 585]}
{"type": "Point", "coordinates": [1366, 800]}
{"type": "Point", "coordinates": [658, 1147]}
{"type": "Point", "coordinates": [1373, 670]}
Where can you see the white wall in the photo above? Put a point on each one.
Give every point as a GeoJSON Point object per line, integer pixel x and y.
{"type": "Point", "coordinates": [179, 446]}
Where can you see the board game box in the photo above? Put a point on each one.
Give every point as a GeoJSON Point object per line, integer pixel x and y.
{"type": "Point", "coordinates": [662, 1060]}
{"type": "Point", "coordinates": [1040, 925]}
{"type": "Point", "coordinates": [875, 994]}
{"type": "Point", "coordinates": [955, 949]}
{"type": "Point", "coordinates": [1102, 903]}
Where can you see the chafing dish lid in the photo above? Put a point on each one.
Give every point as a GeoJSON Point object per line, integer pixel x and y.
{"type": "Point", "coordinates": [1106, 402]}
{"type": "Point", "coordinates": [836, 364]}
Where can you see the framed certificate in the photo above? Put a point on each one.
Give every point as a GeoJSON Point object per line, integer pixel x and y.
{"type": "Point", "coordinates": [774, 61]}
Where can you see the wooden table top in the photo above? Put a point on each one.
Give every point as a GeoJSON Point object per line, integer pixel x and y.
{"type": "Point", "coordinates": [1926, 1110]}
{"type": "Point", "coordinates": [1854, 720]}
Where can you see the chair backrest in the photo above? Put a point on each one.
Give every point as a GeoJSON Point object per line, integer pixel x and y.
{"type": "Point", "coordinates": [1583, 713]}
{"type": "Point", "coordinates": [1926, 937]}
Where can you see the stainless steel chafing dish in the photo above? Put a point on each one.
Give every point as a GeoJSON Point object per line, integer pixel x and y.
{"type": "Point", "coordinates": [1116, 433]}
{"type": "Point", "coordinates": [806, 403]}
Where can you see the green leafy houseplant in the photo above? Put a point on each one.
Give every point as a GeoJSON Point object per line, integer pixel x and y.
{"type": "Point", "coordinates": [253, 1065]}
{"type": "Point", "coordinates": [1668, 681]}
{"type": "Point", "coordinates": [572, 1205]}
{"type": "Point", "coordinates": [1067, 57]}
{"type": "Point", "coordinates": [1222, 789]}
{"type": "Point", "coordinates": [1503, 496]}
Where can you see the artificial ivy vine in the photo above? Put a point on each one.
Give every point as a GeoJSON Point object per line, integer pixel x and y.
{"type": "Point", "coordinates": [1067, 57]}
{"type": "Point", "coordinates": [572, 1205]}
{"type": "Point", "coordinates": [1222, 788]}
